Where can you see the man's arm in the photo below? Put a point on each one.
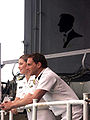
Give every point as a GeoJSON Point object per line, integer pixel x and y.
{"type": "Point", "coordinates": [28, 99]}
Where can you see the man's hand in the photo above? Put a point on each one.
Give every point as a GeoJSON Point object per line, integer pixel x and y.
{"type": "Point", "coordinates": [6, 106]}
{"type": "Point", "coordinates": [14, 111]}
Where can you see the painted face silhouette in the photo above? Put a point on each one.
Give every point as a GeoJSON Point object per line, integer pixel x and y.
{"type": "Point", "coordinates": [65, 22]}
{"type": "Point", "coordinates": [65, 25]}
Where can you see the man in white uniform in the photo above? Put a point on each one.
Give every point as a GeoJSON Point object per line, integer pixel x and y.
{"type": "Point", "coordinates": [49, 86]}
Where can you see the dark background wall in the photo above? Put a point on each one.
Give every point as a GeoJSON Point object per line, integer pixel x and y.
{"type": "Point", "coordinates": [42, 32]}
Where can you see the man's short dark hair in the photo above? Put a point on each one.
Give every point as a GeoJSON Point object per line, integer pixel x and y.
{"type": "Point", "coordinates": [37, 57]}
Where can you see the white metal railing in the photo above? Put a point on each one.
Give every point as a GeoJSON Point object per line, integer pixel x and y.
{"type": "Point", "coordinates": [65, 54]}
{"type": "Point", "coordinates": [0, 73]}
{"type": "Point", "coordinates": [56, 55]}
{"type": "Point", "coordinates": [3, 113]}
{"type": "Point", "coordinates": [68, 103]}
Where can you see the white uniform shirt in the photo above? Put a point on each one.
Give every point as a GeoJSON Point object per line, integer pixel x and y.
{"type": "Point", "coordinates": [24, 87]}
{"type": "Point", "coordinates": [58, 90]}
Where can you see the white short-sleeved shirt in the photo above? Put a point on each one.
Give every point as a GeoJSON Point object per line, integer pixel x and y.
{"type": "Point", "coordinates": [57, 90]}
{"type": "Point", "coordinates": [24, 87]}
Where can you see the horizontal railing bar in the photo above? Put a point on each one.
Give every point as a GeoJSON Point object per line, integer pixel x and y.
{"type": "Point", "coordinates": [70, 102]}
{"type": "Point", "coordinates": [55, 55]}
{"type": "Point", "coordinates": [10, 61]}
{"type": "Point", "coordinates": [63, 54]}
{"type": "Point", "coordinates": [73, 102]}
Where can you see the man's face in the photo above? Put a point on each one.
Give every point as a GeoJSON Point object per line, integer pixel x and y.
{"type": "Point", "coordinates": [32, 67]}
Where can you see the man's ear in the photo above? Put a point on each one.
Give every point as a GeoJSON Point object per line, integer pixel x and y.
{"type": "Point", "coordinates": [39, 64]}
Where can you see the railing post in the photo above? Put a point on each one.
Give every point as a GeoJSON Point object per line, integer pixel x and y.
{"type": "Point", "coordinates": [2, 114]}
{"type": "Point", "coordinates": [10, 115]}
{"type": "Point", "coordinates": [0, 75]}
{"type": "Point", "coordinates": [85, 107]}
{"type": "Point", "coordinates": [34, 112]}
{"type": "Point", "coordinates": [69, 111]}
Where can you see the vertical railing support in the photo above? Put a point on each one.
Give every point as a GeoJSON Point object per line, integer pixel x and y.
{"type": "Point", "coordinates": [10, 115]}
{"type": "Point", "coordinates": [69, 111]}
{"type": "Point", "coordinates": [85, 107]}
{"type": "Point", "coordinates": [2, 114]}
{"type": "Point", "coordinates": [0, 75]}
{"type": "Point", "coordinates": [34, 112]}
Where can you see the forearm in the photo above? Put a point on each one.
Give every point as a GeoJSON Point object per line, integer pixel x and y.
{"type": "Point", "coordinates": [22, 102]}
{"type": "Point", "coordinates": [28, 99]}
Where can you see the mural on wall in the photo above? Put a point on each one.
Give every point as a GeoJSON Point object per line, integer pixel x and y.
{"type": "Point", "coordinates": [66, 27]}
{"type": "Point", "coordinates": [73, 18]}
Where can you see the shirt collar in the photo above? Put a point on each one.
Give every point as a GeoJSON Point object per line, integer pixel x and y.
{"type": "Point", "coordinates": [40, 74]}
